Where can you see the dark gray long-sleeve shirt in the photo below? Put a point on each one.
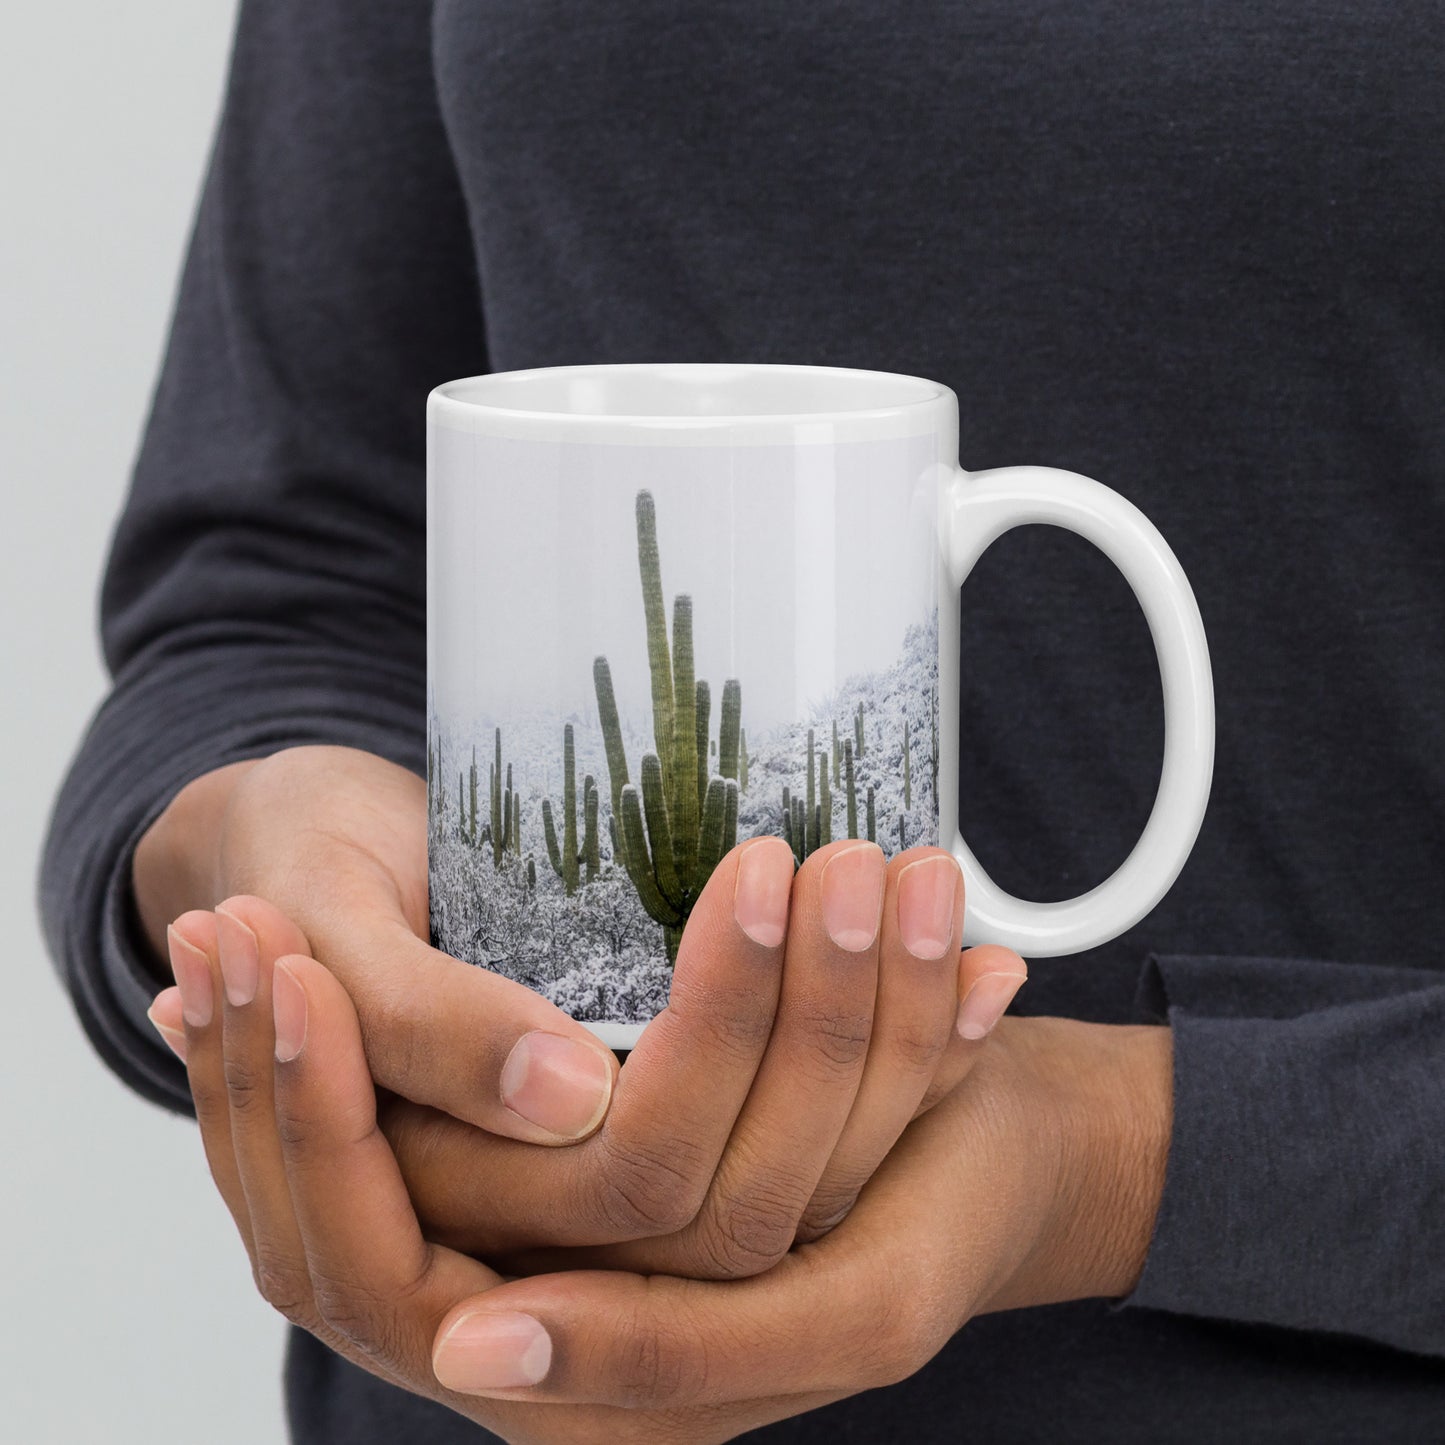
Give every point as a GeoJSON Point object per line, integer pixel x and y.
{"type": "Point", "coordinates": [1194, 251]}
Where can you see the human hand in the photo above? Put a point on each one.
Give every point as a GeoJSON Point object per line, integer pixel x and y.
{"type": "Point", "coordinates": [335, 839]}
{"type": "Point", "coordinates": [754, 1107]}
{"type": "Point", "coordinates": [1037, 1183]}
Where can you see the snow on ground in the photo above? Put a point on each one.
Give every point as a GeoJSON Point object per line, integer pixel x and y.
{"type": "Point", "coordinates": [597, 954]}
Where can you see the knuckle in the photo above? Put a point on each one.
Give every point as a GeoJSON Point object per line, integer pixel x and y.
{"type": "Point", "coordinates": [737, 1022]}
{"type": "Point", "coordinates": [904, 1334]}
{"type": "Point", "coordinates": [648, 1188]}
{"type": "Point", "coordinates": [825, 1212]}
{"type": "Point", "coordinates": [918, 1045]}
{"type": "Point", "coordinates": [657, 1367]}
{"type": "Point", "coordinates": [247, 1089]}
{"type": "Point", "coordinates": [836, 1042]}
{"type": "Point", "coordinates": [286, 1288]}
{"type": "Point", "coordinates": [358, 1315]}
{"type": "Point", "coordinates": [746, 1236]}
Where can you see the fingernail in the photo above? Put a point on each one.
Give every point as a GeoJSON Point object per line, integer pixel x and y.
{"type": "Point", "coordinates": [852, 888]}
{"type": "Point", "coordinates": [927, 900]}
{"type": "Point", "coordinates": [173, 1036]}
{"type": "Point", "coordinates": [760, 895]}
{"type": "Point", "coordinates": [557, 1083]}
{"type": "Point", "coordinates": [192, 970]}
{"type": "Point", "coordinates": [288, 1008]}
{"type": "Point", "coordinates": [240, 958]}
{"type": "Point", "coordinates": [984, 1004]}
{"type": "Point", "coordinates": [492, 1352]}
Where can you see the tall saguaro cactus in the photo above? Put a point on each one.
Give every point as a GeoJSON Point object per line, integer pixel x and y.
{"type": "Point", "coordinates": [852, 790]}
{"type": "Point", "coordinates": [670, 834]}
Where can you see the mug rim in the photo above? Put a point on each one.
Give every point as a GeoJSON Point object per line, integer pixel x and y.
{"type": "Point", "coordinates": [461, 394]}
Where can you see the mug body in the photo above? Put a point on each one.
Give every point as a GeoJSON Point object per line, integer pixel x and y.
{"type": "Point", "coordinates": [672, 607]}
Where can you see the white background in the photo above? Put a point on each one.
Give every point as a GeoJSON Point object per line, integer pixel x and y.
{"type": "Point", "coordinates": [129, 1312]}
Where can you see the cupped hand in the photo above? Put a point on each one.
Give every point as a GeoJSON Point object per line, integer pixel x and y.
{"type": "Point", "coordinates": [1036, 1183]}
{"type": "Point", "coordinates": [811, 1017]}
{"type": "Point", "coordinates": [335, 839]}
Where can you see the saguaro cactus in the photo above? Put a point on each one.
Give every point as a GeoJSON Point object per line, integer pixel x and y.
{"type": "Point", "coordinates": [671, 834]}
{"type": "Point", "coordinates": [564, 859]}
{"type": "Point", "coordinates": [872, 821]}
{"type": "Point", "coordinates": [852, 790]}
{"type": "Point", "coordinates": [742, 757]}
{"type": "Point", "coordinates": [837, 755]}
{"type": "Point", "coordinates": [907, 771]}
{"type": "Point", "coordinates": [858, 731]}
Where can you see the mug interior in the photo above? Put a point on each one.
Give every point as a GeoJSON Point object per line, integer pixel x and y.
{"type": "Point", "coordinates": [701, 390]}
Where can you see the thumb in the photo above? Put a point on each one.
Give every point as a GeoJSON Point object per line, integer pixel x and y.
{"type": "Point", "coordinates": [463, 1039]}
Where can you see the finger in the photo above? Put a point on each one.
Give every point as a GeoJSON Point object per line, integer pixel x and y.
{"type": "Point", "coordinates": [250, 935]}
{"type": "Point", "coordinates": [989, 977]}
{"type": "Point", "coordinates": [192, 946]}
{"type": "Point", "coordinates": [375, 1282]}
{"type": "Point", "coordinates": [604, 1337]}
{"type": "Point", "coordinates": [677, 1100]}
{"type": "Point", "coordinates": [463, 1039]}
{"type": "Point", "coordinates": [806, 1085]}
{"type": "Point", "coordinates": [913, 1020]}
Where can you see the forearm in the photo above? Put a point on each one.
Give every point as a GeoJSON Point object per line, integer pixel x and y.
{"type": "Point", "coordinates": [177, 863]}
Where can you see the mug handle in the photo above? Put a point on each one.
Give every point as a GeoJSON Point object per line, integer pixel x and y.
{"type": "Point", "coordinates": [976, 509]}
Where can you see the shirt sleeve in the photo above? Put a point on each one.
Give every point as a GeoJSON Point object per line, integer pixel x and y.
{"type": "Point", "coordinates": [1305, 1185]}
{"type": "Point", "coordinates": [266, 583]}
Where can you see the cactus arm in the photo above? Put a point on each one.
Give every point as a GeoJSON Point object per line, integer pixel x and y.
{"type": "Point", "coordinates": [639, 865]}
{"type": "Point", "coordinates": [589, 846]}
{"type": "Point", "coordinates": [704, 721]}
{"type": "Point", "coordinates": [729, 724]}
{"type": "Point", "coordinates": [612, 739]}
{"type": "Point", "coordinates": [549, 830]}
{"type": "Point", "coordinates": [682, 798]}
{"type": "Point", "coordinates": [710, 849]}
{"type": "Point", "coordinates": [659, 833]}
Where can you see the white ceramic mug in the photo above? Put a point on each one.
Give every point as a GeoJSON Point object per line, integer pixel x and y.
{"type": "Point", "coordinates": [620, 554]}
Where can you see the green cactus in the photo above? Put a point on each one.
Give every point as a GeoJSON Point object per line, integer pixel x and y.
{"type": "Point", "coordinates": [462, 810]}
{"type": "Point", "coordinates": [852, 790]}
{"type": "Point", "coordinates": [472, 829]}
{"type": "Point", "coordinates": [730, 732]}
{"type": "Point", "coordinates": [742, 758]}
{"type": "Point", "coordinates": [837, 755]}
{"type": "Point", "coordinates": [670, 833]}
{"type": "Point", "coordinates": [655, 612]}
{"type": "Point", "coordinates": [872, 821]}
{"type": "Point", "coordinates": [811, 816]}
{"type": "Point", "coordinates": [501, 817]}
{"type": "Point", "coordinates": [531, 874]}
{"type": "Point", "coordinates": [515, 831]}
{"type": "Point", "coordinates": [564, 858]}
{"type": "Point", "coordinates": [616, 753]}
{"type": "Point", "coordinates": [704, 718]}
{"type": "Point", "coordinates": [591, 853]}
{"type": "Point", "coordinates": [907, 770]}
{"type": "Point", "coordinates": [825, 803]}
{"type": "Point", "coordinates": [858, 748]}
{"type": "Point", "coordinates": [902, 837]}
